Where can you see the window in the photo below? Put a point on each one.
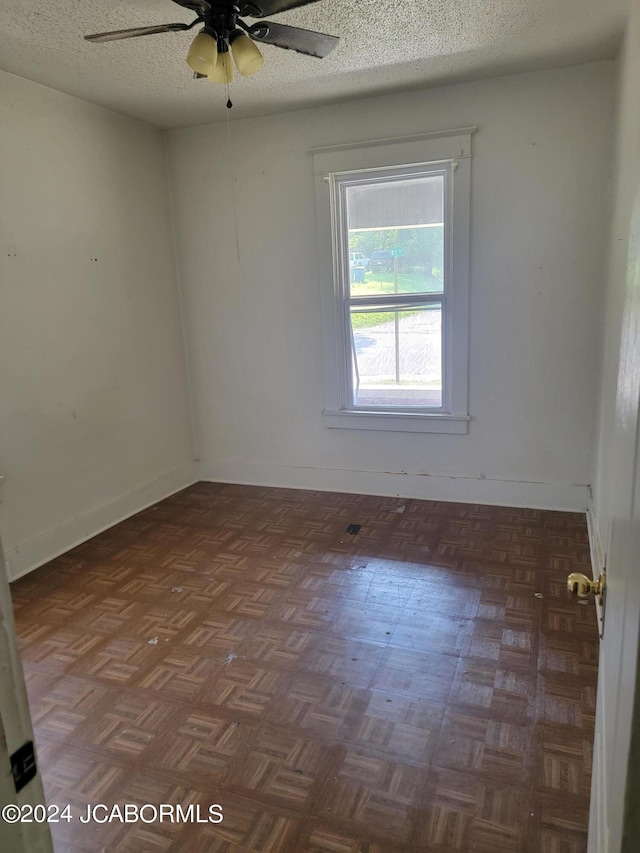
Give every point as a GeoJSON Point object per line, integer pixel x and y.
{"type": "Point", "coordinates": [393, 229]}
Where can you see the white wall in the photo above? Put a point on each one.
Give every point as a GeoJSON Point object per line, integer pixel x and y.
{"type": "Point", "coordinates": [539, 211]}
{"type": "Point", "coordinates": [94, 415]}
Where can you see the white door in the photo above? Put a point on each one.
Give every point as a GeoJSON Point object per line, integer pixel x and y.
{"type": "Point", "coordinates": [611, 824]}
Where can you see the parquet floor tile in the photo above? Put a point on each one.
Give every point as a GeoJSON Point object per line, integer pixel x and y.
{"type": "Point", "coordinates": [248, 826]}
{"type": "Point", "coordinates": [375, 793]}
{"type": "Point", "coordinates": [323, 839]}
{"type": "Point", "coordinates": [320, 706]}
{"type": "Point", "coordinates": [423, 686]}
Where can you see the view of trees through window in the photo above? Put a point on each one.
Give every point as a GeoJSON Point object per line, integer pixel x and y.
{"type": "Point", "coordinates": [418, 253]}
{"type": "Point", "coordinates": [397, 354]}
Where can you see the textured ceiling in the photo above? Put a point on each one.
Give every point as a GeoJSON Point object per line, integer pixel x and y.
{"type": "Point", "coordinates": [385, 46]}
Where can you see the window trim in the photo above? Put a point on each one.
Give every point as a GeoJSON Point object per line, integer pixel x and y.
{"type": "Point", "coordinates": [333, 166]}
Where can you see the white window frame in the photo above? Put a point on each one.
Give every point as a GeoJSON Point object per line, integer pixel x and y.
{"type": "Point", "coordinates": [339, 166]}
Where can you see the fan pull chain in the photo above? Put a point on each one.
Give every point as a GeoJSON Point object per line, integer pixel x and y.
{"type": "Point", "coordinates": [229, 104]}
{"type": "Point", "coordinates": [233, 189]}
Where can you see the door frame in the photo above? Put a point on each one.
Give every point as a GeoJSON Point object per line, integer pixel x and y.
{"type": "Point", "coordinates": [16, 730]}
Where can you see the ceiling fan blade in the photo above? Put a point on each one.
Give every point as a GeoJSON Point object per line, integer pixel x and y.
{"type": "Point", "coordinates": [138, 31]}
{"type": "Point", "coordinates": [262, 8]}
{"type": "Point", "coordinates": [294, 38]}
{"type": "Point", "coordinates": [199, 6]}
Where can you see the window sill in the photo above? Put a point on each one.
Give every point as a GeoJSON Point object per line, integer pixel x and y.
{"type": "Point", "coordinates": [397, 422]}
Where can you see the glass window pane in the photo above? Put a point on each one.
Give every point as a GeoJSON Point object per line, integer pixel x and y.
{"type": "Point", "coordinates": [396, 235]}
{"type": "Point", "coordinates": [397, 357]}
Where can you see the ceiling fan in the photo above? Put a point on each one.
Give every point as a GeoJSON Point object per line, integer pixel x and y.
{"type": "Point", "coordinates": [225, 34]}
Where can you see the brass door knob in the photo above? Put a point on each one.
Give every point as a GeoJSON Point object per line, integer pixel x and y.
{"type": "Point", "coordinates": [582, 586]}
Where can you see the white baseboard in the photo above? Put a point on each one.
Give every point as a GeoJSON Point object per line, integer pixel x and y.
{"type": "Point", "coordinates": [29, 555]}
{"type": "Point", "coordinates": [463, 489]}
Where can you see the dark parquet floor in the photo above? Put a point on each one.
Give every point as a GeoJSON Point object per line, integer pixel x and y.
{"type": "Point", "coordinates": [426, 684]}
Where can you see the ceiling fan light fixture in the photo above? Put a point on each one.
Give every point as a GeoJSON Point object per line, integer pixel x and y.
{"type": "Point", "coordinates": [203, 53]}
{"type": "Point", "coordinates": [246, 54]}
{"type": "Point", "coordinates": [223, 70]}
{"type": "Point", "coordinates": [226, 38]}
